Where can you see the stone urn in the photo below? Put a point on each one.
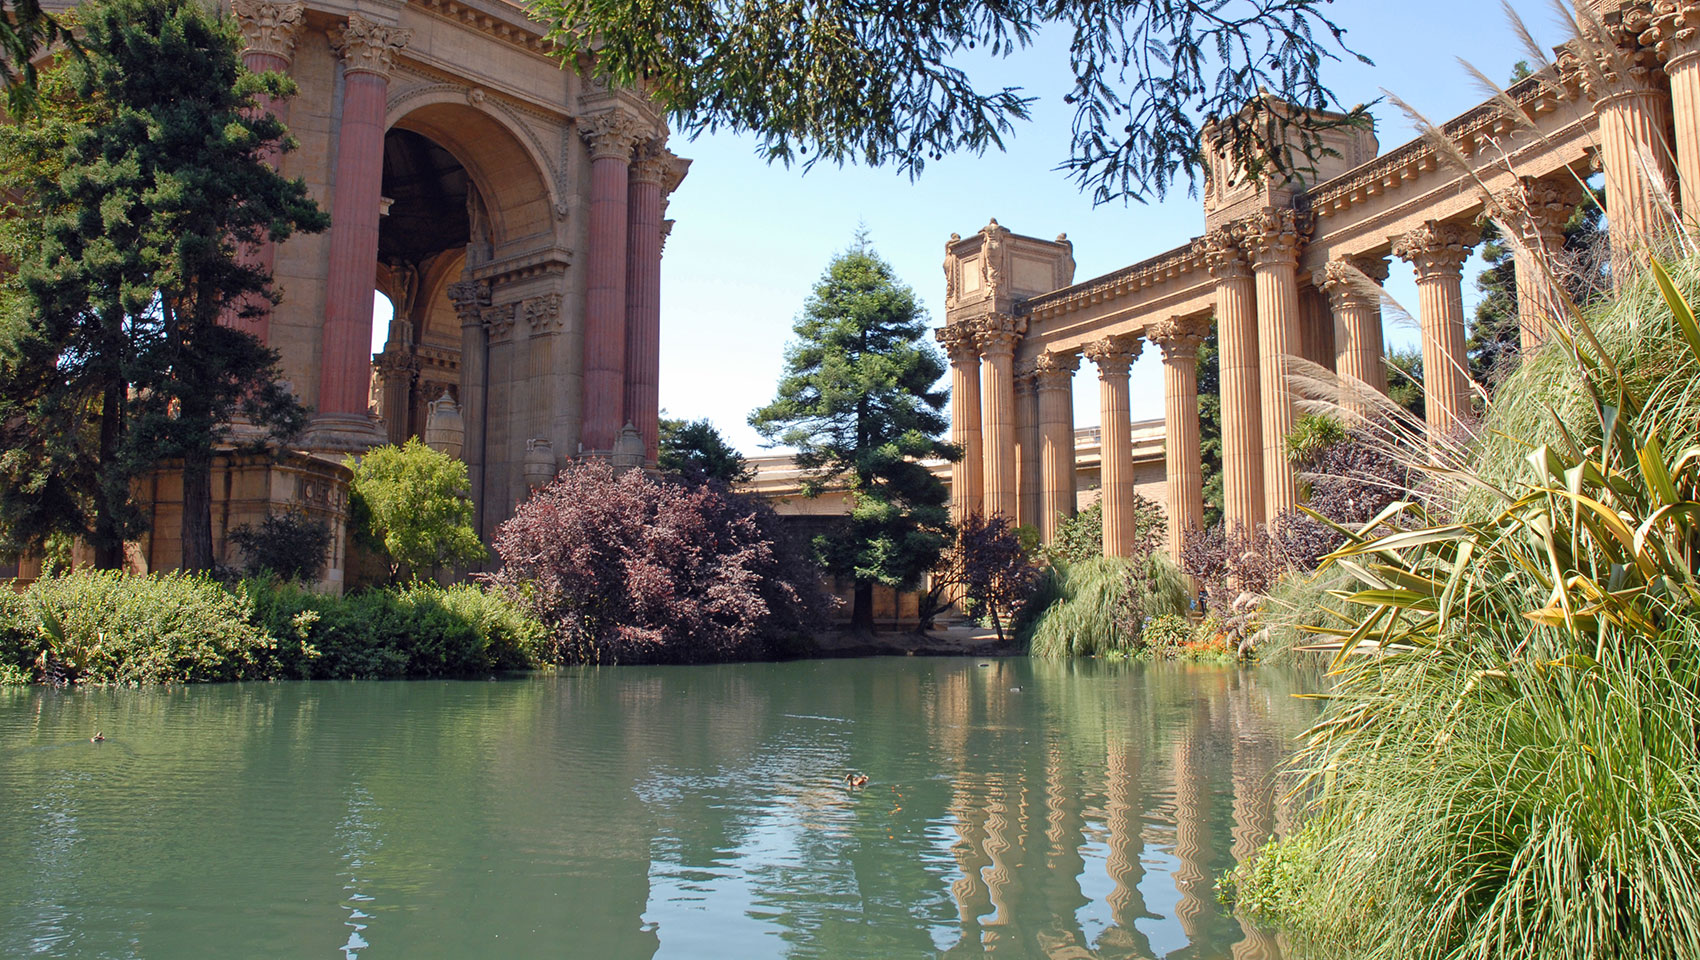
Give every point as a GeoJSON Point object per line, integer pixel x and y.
{"type": "Point", "coordinates": [444, 428]}
{"type": "Point", "coordinates": [628, 450]}
{"type": "Point", "coordinates": [539, 462]}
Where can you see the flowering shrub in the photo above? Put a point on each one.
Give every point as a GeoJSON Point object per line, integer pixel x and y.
{"type": "Point", "coordinates": [627, 569]}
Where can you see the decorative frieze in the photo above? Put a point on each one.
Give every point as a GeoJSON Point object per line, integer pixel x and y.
{"type": "Point", "coordinates": [268, 26]}
{"type": "Point", "coordinates": [367, 46]}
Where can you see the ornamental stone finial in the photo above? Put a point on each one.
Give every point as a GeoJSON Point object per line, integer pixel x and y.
{"type": "Point", "coordinates": [367, 46]}
{"type": "Point", "coordinates": [1178, 337]}
{"type": "Point", "coordinates": [1113, 355]}
{"type": "Point", "coordinates": [1436, 248]}
{"type": "Point", "coordinates": [612, 134]}
{"type": "Point", "coordinates": [268, 26]}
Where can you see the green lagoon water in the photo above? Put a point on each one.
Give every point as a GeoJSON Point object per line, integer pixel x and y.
{"type": "Point", "coordinates": [1013, 809]}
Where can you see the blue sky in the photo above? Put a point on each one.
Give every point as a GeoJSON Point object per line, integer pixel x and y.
{"type": "Point", "coordinates": [752, 239]}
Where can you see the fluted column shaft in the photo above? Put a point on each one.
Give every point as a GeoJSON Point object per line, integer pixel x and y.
{"type": "Point", "coordinates": [1055, 383]}
{"type": "Point", "coordinates": [1242, 423]}
{"type": "Point", "coordinates": [1182, 452]}
{"type": "Point", "coordinates": [997, 338]}
{"type": "Point", "coordinates": [1274, 239]}
{"type": "Point", "coordinates": [967, 474]}
{"type": "Point", "coordinates": [1437, 252]}
{"type": "Point", "coordinates": [1637, 161]}
{"type": "Point", "coordinates": [643, 301]}
{"type": "Point", "coordinates": [1114, 356]}
{"type": "Point", "coordinates": [345, 371]}
{"type": "Point", "coordinates": [1683, 69]}
{"type": "Point", "coordinates": [1027, 453]}
{"type": "Point", "coordinates": [268, 29]}
{"type": "Point", "coordinates": [1355, 301]}
{"type": "Point", "coordinates": [611, 137]}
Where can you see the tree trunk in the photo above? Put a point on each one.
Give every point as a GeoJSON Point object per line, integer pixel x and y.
{"type": "Point", "coordinates": [862, 608]}
{"type": "Point", "coordinates": [105, 539]}
{"type": "Point", "coordinates": [997, 622]}
{"type": "Point", "coordinates": [197, 513]}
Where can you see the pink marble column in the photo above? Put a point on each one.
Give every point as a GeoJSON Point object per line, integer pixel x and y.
{"type": "Point", "coordinates": [1114, 357]}
{"type": "Point", "coordinates": [1438, 252]}
{"type": "Point", "coordinates": [1027, 482]}
{"type": "Point", "coordinates": [1534, 214]}
{"type": "Point", "coordinates": [967, 474]}
{"type": "Point", "coordinates": [368, 52]}
{"type": "Point", "coordinates": [269, 30]}
{"type": "Point", "coordinates": [611, 136]}
{"type": "Point", "coordinates": [1273, 238]}
{"type": "Point", "coordinates": [1353, 286]}
{"type": "Point", "coordinates": [643, 297]}
{"type": "Point", "coordinates": [1182, 452]}
{"type": "Point", "coordinates": [1054, 375]}
{"type": "Point", "coordinates": [996, 336]}
{"type": "Point", "coordinates": [1242, 421]}
{"type": "Point", "coordinates": [1677, 35]}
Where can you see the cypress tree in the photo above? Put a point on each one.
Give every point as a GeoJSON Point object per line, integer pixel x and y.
{"type": "Point", "coordinates": [859, 402]}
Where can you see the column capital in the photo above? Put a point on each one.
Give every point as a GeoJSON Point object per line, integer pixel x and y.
{"type": "Point", "coordinates": [1274, 235]}
{"type": "Point", "coordinates": [651, 161]}
{"type": "Point", "coordinates": [1179, 338]}
{"type": "Point", "coordinates": [958, 342]}
{"type": "Point", "coordinates": [996, 334]}
{"type": "Point", "coordinates": [1537, 209]}
{"type": "Point", "coordinates": [1674, 28]}
{"type": "Point", "coordinates": [1054, 370]}
{"type": "Point", "coordinates": [1614, 55]}
{"type": "Point", "coordinates": [469, 297]}
{"type": "Point", "coordinates": [1352, 281]}
{"type": "Point", "coordinates": [612, 134]}
{"type": "Point", "coordinates": [1114, 355]}
{"type": "Point", "coordinates": [367, 46]}
{"type": "Point", "coordinates": [268, 26]}
{"type": "Point", "coordinates": [395, 364]}
{"type": "Point", "coordinates": [1026, 378]}
{"type": "Point", "coordinates": [1436, 248]}
{"type": "Point", "coordinates": [1223, 252]}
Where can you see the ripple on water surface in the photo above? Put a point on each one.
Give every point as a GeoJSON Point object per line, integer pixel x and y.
{"type": "Point", "coordinates": [1017, 810]}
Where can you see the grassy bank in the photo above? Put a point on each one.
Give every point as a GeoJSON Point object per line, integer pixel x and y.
{"type": "Point", "coordinates": [1516, 772]}
{"type": "Point", "coordinates": [113, 628]}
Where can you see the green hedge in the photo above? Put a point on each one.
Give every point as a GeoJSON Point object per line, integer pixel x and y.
{"type": "Point", "coordinates": [108, 627]}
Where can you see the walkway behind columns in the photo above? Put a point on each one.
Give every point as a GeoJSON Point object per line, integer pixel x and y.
{"type": "Point", "coordinates": [1292, 269]}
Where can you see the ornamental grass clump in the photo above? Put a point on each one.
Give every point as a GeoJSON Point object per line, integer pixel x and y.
{"type": "Point", "coordinates": [1510, 762]}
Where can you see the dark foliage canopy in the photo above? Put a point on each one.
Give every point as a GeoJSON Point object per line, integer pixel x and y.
{"type": "Point", "coordinates": [696, 453]}
{"type": "Point", "coordinates": [888, 81]}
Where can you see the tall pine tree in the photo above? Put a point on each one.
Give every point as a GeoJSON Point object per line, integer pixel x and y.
{"type": "Point", "coordinates": [860, 403]}
{"type": "Point", "coordinates": [146, 168]}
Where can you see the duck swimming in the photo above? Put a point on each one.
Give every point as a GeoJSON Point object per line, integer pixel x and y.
{"type": "Point", "coordinates": [98, 737]}
{"type": "Point", "coordinates": [856, 780]}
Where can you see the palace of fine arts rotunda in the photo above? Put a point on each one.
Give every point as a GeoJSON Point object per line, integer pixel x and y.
{"type": "Point", "coordinates": [514, 214]}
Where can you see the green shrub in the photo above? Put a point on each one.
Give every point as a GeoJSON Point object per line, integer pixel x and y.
{"type": "Point", "coordinates": [1170, 631]}
{"type": "Point", "coordinates": [1090, 615]}
{"type": "Point", "coordinates": [412, 502]}
{"type": "Point", "coordinates": [110, 627]}
{"type": "Point", "coordinates": [289, 545]}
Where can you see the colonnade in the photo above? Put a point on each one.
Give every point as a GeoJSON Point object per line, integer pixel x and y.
{"type": "Point", "coordinates": [1648, 148]}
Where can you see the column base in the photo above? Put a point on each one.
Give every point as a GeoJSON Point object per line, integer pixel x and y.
{"type": "Point", "coordinates": [344, 433]}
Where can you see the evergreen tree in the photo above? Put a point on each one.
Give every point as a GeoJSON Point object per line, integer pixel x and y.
{"type": "Point", "coordinates": [859, 402]}
{"type": "Point", "coordinates": [146, 168]}
{"type": "Point", "coordinates": [696, 453]}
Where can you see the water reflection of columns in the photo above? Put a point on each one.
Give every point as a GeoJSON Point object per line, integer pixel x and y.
{"type": "Point", "coordinates": [1065, 829]}
{"type": "Point", "coordinates": [1124, 821]}
{"type": "Point", "coordinates": [1254, 812]}
{"type": "Point", "coordinates": [1192, 879]}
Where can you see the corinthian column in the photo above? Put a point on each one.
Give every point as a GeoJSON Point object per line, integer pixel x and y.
{"type": "Point", "coordinates": [643, 296]}
{"type": "Point", "coordinates": [1242, 424]}
{"type": "Point", "coordinates": [268, 30]}
{"type": "Point", "coordinates": [1183, 456]}
{"type": "Point", "coordinates": [1534, 212]}
{"type": "Point", "coordinates": [1054, 376]}
{"type": "Point", "coordinates": [1026, 447]}
{"type": "Point", "coordinates": [1438, 251]}
{"type": "Point", "coordinates": [966, 474]}
{"type": "Point", "coordinates": [996, 336]}
{"type": "Point", "coordinates": [611, 135]}
{"type": "Point", "coordinates": [1676, 34]}
{"type": "Point", "coordinates": [1354, 297]}
{"type": "Point", "coordinates": [1617, 72]}
{"type": "Point", "coordinates": [1273, 238]}
{"type": "Point", "coordinates": [1114, 355]}
{"type": "Point", "coordinates": [368, 52]}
